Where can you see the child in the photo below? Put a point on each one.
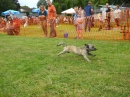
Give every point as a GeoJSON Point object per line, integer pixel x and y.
{"type": "Point", "coordinates": [13, 26]}
{"type": "Point", "coordinates": [79, 26]}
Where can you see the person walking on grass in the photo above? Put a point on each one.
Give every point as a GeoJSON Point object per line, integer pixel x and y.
{"type": "Point", "coordinates": [52, 18]}
{"type": "Point", "coordinates": [43, 19]}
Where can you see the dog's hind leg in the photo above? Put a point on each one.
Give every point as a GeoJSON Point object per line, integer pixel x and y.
{"type": "Point", "coordinates": [62, 52]}
{"type": "Point", "coordinates": [65, 50]}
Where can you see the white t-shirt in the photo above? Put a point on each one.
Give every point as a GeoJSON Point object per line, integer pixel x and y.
{"type": "Point", "coordinates": [117, 13]}
{"type": "Point", "coordinates": [79, 22]}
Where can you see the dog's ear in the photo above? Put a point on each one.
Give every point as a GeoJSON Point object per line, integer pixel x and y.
{"type": "Point", "coordinates": [86, 45]}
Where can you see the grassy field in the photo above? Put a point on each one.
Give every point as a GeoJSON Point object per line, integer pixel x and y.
{"type": "Point", "coordinates": [30, 67]}
{"type": "Point", "coordinates": [61, 29]}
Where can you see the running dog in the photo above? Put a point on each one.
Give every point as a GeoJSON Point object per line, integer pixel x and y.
{"type": "Point", "coordinates": [84, 51]}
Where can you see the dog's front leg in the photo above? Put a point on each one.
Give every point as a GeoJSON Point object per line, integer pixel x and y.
{"type": "Point", "coordinates": [91, 54]}
{"type": "Point", "coordinates": [86, 58]}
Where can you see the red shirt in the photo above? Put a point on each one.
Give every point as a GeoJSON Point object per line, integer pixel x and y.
{"type": "Point", "coordinates": [16, 22]}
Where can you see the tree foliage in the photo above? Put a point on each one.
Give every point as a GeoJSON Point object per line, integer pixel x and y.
{"type": "Point", "coordinates": [62, 5]}
{"type": "Point", "coordinates": [42, 2]}
{"type": "Point", "coordinates": [66, 4]}
{"type": "Point", "coordinates": [120, 2]}
{"type": "Point", "coordinates": [9, 4]}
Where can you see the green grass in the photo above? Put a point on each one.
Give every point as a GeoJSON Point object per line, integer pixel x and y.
{"type": "Point", "coordinates": [35, 30]}
{"type": "Point", "coordinates": [30, 67]}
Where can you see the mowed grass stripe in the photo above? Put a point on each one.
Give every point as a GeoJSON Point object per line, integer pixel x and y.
{"type": "Point", "coordinates": [30, 67]}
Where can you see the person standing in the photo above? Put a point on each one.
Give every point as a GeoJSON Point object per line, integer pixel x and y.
{"type": "Point", "coordinates": [88, 14]}
{"type": "Point", "coordinates": [117, 15]}
{"type": "Point", "coordinates": [100, 19]}
{"type": "Point", "coordinates": [51, 18]}
{"type": "Point", "coordinates": [43, 19]}
{"type": "Point", "coordinates": [75, 17]}
{"type": "Point", "coordinates": [11, 15]}
{"type": "Point", "coordinates": [79, 26]}
{"type": "Point", "coordinates": [81, 11]}
{"type": "Point", "coordinates": [75, 14]}
{"type": "Point", "coordinates": [108, 16]}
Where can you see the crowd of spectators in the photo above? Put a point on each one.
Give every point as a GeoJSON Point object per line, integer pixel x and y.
{"type": "Point", "coordinates": [11, 24]}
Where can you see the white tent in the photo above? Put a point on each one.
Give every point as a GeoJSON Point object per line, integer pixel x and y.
{"type": "Point", "coordinates": [69, 11]}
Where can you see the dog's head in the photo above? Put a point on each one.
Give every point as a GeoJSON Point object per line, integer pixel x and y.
{"type": "Point", "coordinates": [90, 47]}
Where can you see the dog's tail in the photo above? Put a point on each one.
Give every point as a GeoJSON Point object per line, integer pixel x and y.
{"type": "Point", "coordinates": [62, 43]}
